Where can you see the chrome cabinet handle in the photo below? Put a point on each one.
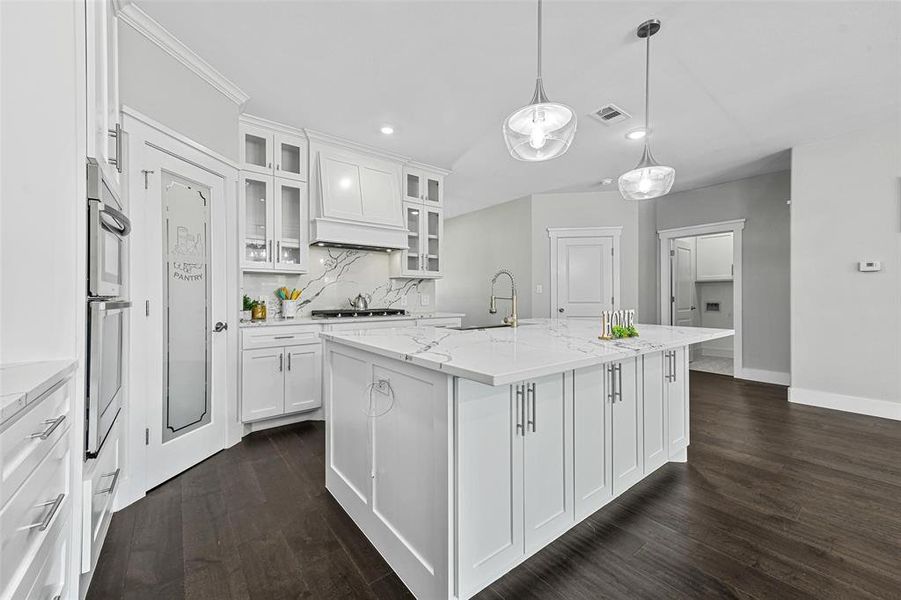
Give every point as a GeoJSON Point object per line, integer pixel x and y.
{"type": "Point", "coordinates": [611, 394]}
{"type": "Point", "coordinates": [281, 362]}
{"type": "Point", "coordinates": [269, 250]}
{"type": "Point", "coordinates": [283, 337]}
{"type": "Point", "coordinates": [673, 371]}
{"type": "Point", "coordinates": [45, 522]}
{"type": "Point", "coordinates": [519, 410]}
{"type": "Point", "coordinates": [289, 361]}
{"type": "Point", "coordinates": [53, 424]}
{"type": "Point", "coordinates": [116, 132]}
{"type": "Point", "coordinates": [534, 418]}
{"type": "Point", "coordinates": [112, 485]}
{"type": "Point", "coordinates": [619, 382]}
{"type": "Point", "coordinates": [278, 251]}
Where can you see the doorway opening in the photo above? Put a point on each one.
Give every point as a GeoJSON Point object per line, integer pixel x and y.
{"type": "Point", "coordinates": [701, 286]}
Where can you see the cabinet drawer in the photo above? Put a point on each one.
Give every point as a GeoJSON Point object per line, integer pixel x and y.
{"type": "Point", "coordinates": [47, 576]}
{"type": "Point", "coordinates": [29, 439]}
{"type": "Point", "coordinates": [26, 520]}
{"type": "Point", "coordinates": [98, 490]}
{"type": "Point", "coordinates": [283, 335]}
{"type": "Point", "coordinates": [442, 322]}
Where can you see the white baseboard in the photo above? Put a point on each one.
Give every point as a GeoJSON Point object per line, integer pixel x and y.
{"type": "Point", "coordinates": [311, 415]}
{"type": "Point", "coordinates": [873, 407]}
{"type": "Point", "coordinates": [716, 352]}
{"type": "Point", "coordinates": [777, 377]}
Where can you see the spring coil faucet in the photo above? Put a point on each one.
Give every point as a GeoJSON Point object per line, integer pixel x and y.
{"type": "Point", "coordinates": [512, 320]}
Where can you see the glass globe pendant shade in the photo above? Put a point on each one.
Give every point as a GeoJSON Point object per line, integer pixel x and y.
{"type": "Point", "coordinates": [540, 131]}
{"type": "Point", "coordinates": [647, 180]}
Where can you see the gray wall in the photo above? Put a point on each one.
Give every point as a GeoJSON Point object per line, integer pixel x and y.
{"type": "Point", "coordinates": [162, 88]}
{"type": "Point", "coordinates": [588, 209]}
{"type": "Point", "coordinates": [476, 245]}
{"type": "Point", "coordinates": [846, 326]}
{"type": "Point", "coordinates": [761, 201]}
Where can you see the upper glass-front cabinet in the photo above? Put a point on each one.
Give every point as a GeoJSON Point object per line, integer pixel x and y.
{"type": "Point", "coordinates": [424, 187]}
{"type": "Point", "coordinates": [425, 232]}
{"type": "Point", "coordinates": [256, 213]}
{"type": "Point", "coordinates": [271, 152]}
{"type": "Point", "coordinates": [290, 224]}
{"type": "Point", "coordinates": [433, 228]}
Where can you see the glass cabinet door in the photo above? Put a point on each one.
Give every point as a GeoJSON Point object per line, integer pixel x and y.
{"type": "Point", "coordinates": [290, 243]}
{"type": "Point", "coordinates": [256, 149]}
{"type": "Point", "coordinates": [413, 186]}
{"type": "Point", "coordinates": [433, 191]}
{"type": "Point", "coordinates": [257, 215]}
{"type": "Point", "coordinates": [413, 219]}
{"type": "Point", "coordinates": [433, 226]}
{"type": "Point", "coordinates": [290, 157]}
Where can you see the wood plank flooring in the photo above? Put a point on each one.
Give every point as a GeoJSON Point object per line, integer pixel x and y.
{"type": "Point", "coordinates": [777, 501]}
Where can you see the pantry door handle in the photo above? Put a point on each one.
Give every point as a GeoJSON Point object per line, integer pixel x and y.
{"type": "Point", "coordinates": [53, 424]}
{"type": "Point", "coordinates": [534, 418]}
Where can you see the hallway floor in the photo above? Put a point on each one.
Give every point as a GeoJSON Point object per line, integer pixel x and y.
{"type": "Point", "coordinates": [777, 501]}
{"type": "Point", "coordinates": [712, 364]}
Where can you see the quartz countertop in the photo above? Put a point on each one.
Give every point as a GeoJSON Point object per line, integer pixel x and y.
{"type": "Point", "coordinates": [329, 320]}
{"type": "Point", "coordinates": [507, 355]}
{"type": "Point", "coordinates": [23, 383]}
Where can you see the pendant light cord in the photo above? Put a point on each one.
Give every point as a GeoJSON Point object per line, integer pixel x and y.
{"type": "Point", "coordinates": [647, 85]}
{"type": "Point", "coordinates": [539, 39]}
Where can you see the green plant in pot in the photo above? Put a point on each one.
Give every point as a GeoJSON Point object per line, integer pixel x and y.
{"type": "Point", "coordinates": [620, 331]}
{"type": "Point", "coordinates": [247, 305]}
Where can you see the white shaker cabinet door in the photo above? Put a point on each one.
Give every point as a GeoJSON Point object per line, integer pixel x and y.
{"type": "Point", "coordinates": [489, 482]}
{"type": "Point", "coordinates": [656, 450]}
{"type": "Point", "coordinates": [547, 460]}
{"type": "Point", "coordinates": [677, 403]}
{"type": "Point", "coordinates": [627, 430]}
{"type": "Point", "coordinates": [303, 377]}
{"type": "Point", "coordinates": [262, 388]}
{"type": "Point", "coordinates": [592, 440]}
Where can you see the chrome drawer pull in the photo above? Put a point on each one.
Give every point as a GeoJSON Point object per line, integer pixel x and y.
{"type": "Point", "coordinates": [53, 423]}
{"type": "Point", "coordinates": [45, 522]}
{"type": "Point", "coordinates": [112, 485]}
{"type": "Point", "coordinates": [283, 337]}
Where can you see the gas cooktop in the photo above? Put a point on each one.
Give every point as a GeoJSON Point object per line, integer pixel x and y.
{"type": "Point", "coordinates": [353, 312]}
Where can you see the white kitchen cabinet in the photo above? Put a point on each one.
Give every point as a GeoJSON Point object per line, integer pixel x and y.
{"type": "Point", "coordinates": [656, 446]}
{"type": "Point", "coordinates": [358, 187]}
{"type": "Point", "coordinates": [626, 403]}
{"type": "Point", "coordinates": [547, 460]}
{"type": "Point", "coordinates": [714, 257]}
{"type": "Point", "coordinates": [274, 224]}
{"type": "Point", "coordinates": [269, 149]}
{"type": "Point", "coordinates": [423, 257]}
{"type": "Point", "coordinates": [592, 440]}
{"type": "Point", "coordinates": [676, 399]}
{"type": "Point", "coordinates": [262, 384]}
{"type": "Point", "coordinates": [490, 482]}
{"type": "Point", "coordinates": [303, 377]}
{"type": "Point", "coordinates": [423, 186]}
{"type": "Point", "coordinates": [105, 140]}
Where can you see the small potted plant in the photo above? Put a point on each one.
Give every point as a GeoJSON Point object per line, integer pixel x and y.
{"type": "Point", "coordinates": [246, 307]}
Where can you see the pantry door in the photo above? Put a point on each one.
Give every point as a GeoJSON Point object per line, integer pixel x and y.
{"type": "Point", "coordinates": [185, 221]}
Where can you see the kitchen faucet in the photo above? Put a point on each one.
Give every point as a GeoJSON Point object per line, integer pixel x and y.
{"type": "Point", "coordinates": [511, 319]}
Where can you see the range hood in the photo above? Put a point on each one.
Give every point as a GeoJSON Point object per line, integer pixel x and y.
{"type": "Point", "coordinates": [355, 200]}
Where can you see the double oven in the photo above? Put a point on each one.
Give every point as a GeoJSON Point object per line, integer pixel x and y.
{"type": "Point", "coordinates": [108, 230]}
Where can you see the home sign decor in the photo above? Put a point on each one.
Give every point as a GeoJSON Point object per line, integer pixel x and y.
{"type": "Point", "coordinates": [615, 318]}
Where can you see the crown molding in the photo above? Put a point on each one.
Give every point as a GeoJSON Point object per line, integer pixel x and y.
{"type": "Point", "coordinates": [334, 140]}
{"type": "Point", "coordinates": [427, 167]}
{"type": "Point", "coordinates": [261, 122]}
{"type": "Point", "coordinates": [148, 27]}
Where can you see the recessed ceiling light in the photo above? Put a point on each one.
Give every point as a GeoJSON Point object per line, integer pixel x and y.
{"type": "Point", "coordinates": [636, 134]}
{"type": "Point", "coordinates": [387, 129]}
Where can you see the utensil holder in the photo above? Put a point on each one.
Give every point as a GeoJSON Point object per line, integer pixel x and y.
{"type": "Point", "coordinates": [289, 308]}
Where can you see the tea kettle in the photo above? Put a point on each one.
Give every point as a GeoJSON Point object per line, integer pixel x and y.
{"type": "Point", "coordinates": [361, 302]}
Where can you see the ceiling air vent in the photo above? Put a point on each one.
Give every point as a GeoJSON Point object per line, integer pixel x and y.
{"type": "Point", "coordinates": [610, 114]}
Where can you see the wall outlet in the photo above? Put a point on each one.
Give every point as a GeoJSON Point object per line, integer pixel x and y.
{"type": "Point", "coordinates": [424, 299]}
{"type": "Point", "coordinates": [403, 300]}
{"type": "Point", "coordinates": [539, 289]}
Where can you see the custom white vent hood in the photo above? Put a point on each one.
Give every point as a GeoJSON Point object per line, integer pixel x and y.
{"type": "Point", "coordinates": [355, 195]}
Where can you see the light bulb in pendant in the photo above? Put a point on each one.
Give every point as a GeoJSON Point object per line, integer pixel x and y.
{"type": "Point", "coordinates": [644, 184]}
{"type": "Point", "coordinates": [538, 135]}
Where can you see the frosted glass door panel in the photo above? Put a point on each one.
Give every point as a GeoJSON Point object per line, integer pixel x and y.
{"type": "Point", "coordinates": [256, 221]}
{"type": "Point", "coordinates": [186, 295]}
{"type": "Point", "coordinates": [433, 227]}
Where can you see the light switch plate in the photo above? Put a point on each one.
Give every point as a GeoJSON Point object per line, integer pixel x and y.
{"type": "Point", "coordinates": [539, 289]}
{"type": "Point", "coordinates": [425, 300]}
{"type": "Point", "coordinates": [869, 266]}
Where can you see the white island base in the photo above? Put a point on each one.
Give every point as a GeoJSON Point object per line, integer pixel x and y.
{"type": "Point", "coordinates": [456, 480]}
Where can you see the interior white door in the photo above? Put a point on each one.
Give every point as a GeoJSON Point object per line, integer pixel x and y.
{"type": "Point", "coordinates": [683, 259]}
{"type": "Point", "coordinates": [584, 276]}
{"type": "Point", "coordinates": [547, 460]}
{"type": "Point", "coordinates": [185, 276]}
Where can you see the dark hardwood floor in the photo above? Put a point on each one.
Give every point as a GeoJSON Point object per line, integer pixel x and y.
{"type": "Point", "coordinates": [777, 501]}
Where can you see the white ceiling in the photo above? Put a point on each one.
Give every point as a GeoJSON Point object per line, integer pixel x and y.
{"type": "Point", "coordinates": [734, 84]}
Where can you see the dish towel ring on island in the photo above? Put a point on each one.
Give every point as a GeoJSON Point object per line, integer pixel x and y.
{"type": "Point", "coordinates": [383, 386]}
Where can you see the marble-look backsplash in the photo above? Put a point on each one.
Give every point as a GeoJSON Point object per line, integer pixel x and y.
{"type": "Point", "coordinates": [335, 276]}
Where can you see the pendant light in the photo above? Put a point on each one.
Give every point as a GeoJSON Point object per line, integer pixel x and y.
{"type": "Point", "coordinates": [648, 179]}
{"type": "Point", "coordinates": [542, 130]}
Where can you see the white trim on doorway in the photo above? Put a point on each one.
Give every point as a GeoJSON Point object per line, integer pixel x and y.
{"type": "Point", "coordinates": [556, 233]}
{"type": "Point", "coordinates": [144, 132]}
{"type": "Point", "coordinates": [666, 239]}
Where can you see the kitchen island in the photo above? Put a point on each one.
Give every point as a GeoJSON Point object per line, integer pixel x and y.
{"type": "Point", "coordinates": [461, 453]}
